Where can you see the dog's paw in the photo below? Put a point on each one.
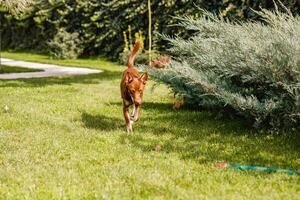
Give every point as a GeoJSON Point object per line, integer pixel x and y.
{"type": "Point", "coordinates": [132, 118]}
{"type": "Point", "coordinates": [129, 129]}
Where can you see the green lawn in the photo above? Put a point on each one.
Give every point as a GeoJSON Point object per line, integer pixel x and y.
{"type": "Point", "coordinates": [64, 138]}
{"type": "Point", "coordinates": [10, 69]}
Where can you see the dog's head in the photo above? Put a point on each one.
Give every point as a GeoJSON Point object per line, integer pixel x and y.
{"type": "Point", "coordinates": [135, 87]}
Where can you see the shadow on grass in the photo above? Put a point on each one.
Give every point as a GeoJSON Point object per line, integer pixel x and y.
{"type": "Point", "coordinates": [62, 80]}
{"type": "Point", "coordinates": [101, 122]}
{"type": "Point", "coordinates": [201, 137]}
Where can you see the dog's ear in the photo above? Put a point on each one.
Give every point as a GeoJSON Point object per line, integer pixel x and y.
{"type": "Point", "coordinates": [144, 77]}
{"type": "Point", "coordinates": [128, 78]}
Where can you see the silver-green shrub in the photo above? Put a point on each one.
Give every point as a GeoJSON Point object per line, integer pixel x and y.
{"type": "Point", "coordinates": [252, 68]}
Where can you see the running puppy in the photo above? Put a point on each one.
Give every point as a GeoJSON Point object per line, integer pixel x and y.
{"type": "Point", "coordinates": [132, 87]}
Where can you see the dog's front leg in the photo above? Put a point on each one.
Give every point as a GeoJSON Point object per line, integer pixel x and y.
{"type": "Point", "coordinates": [127, 118]}
{"type": "Point", "coordinates": [136, 113]}
{"type": "Point", "coordinates": [133, 113]}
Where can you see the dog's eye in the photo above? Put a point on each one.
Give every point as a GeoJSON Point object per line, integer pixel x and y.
{"type": "Point", "coordinates": [132, 91]}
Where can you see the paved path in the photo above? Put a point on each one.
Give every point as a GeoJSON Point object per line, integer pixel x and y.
{"type": "Point", "coordinates": [48, 70]}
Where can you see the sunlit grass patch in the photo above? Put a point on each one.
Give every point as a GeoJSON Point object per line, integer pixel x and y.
{"type": "Point", "coordinates": [11, 69]}
{"type": "Point", "coordinates": [64, 137]}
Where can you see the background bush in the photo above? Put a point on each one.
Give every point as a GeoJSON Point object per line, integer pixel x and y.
{"type": "Point", "coordinates": [251, 68]}
{"type": "Point", "coordinates": [65, 45]}
{"type": "Point", "coordinates": [100, 23]}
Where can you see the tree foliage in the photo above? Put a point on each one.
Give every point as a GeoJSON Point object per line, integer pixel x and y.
{"type": "Point", "coordinates": [100, 23]}
{"type": "Point", "coordinates": [15, 6]}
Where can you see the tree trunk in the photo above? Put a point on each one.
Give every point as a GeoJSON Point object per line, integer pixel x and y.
{"type": "Point", "coordinates": [150, 29]}
{"type": "Point", "coordinates": [1, 69]}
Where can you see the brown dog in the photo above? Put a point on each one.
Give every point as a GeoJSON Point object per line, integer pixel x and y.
{"type": "Point", "coordinates": [132, 87]}
{"type": "Point", "coordinates": [160, 62]}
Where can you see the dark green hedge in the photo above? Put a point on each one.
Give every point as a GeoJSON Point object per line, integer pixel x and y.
{"type": "Point", "coordinates": [100, 23]}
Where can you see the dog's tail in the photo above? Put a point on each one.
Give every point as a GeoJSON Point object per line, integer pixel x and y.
{"type": "Point", "coordinates": [137, 47]}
